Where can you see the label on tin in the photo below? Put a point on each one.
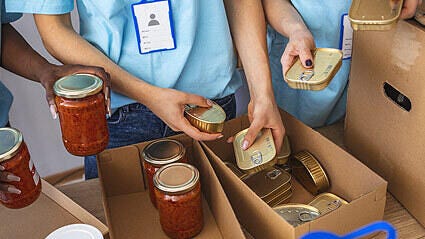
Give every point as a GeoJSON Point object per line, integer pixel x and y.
{"type": "Point", "coordinates": [346, 39]}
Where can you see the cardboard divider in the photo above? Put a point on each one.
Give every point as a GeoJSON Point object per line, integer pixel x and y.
{"type": "Point", "coordinates": [385, 136]}
{"type": "Point", "coordinates": [349, 178]}
{"type": "Point", "coordinates": [129, 211]}
{"type": "Point", "coordinates": [51, 211]}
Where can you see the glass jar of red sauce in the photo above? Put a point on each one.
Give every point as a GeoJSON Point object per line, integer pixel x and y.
{"type": "Point", "coordinates": [82, 112]}
{"type": "Point", "coordinates": [159, 153]}
{"type": "Point", "coordinates": [15, 158]}
{"type": "Point", "coordinates": [178, 193]}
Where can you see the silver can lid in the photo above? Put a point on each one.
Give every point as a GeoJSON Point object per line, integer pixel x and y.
{"type": "Point", "coordinates": [78, 86]}
{"type": "Point", "coordinates": [163, 151]}
{"type": "Point", "coordinates": [176, 178]}
{"type": "Point", "coordinates": [10, 141]}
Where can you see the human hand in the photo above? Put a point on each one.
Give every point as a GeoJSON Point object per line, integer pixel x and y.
{"type": "Point", "coordinates": [409, 7]}
{"type": "Point", "coordinates": [50, 75]}
{"type": "Point", "coordinates": [5, 178]}
{"type": "Point", "coordinates": [300, 44]}
{"type": "Point", "coordinates": [168, 104]}
{"type": "Point", "coordinates": [263, 113]}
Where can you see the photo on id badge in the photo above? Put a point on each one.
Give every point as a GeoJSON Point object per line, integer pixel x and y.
{"type": "Point", "coordinates": [153, 21]}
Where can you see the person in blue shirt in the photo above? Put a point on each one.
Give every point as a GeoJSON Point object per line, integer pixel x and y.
{"type": "Point", "coordinates": [18, 57]}
{"type": "Point", "coordinates": [150, 90]}
{"type": "Point", "coordinates": [296, 28]}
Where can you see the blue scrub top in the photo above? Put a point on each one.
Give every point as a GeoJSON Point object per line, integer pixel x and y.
{"type": "Point", "coordinates": [314, 108]}
{"type": "Point", "coordinates": [6, 97]}
{"type": "Point", "coordinates": [203, 62]}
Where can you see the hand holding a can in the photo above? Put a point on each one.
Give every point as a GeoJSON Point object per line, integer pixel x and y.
{"type": "Point", "coordinates": [169, 106]}
{"type": "Point", "coordinates": [50, 75]}
{"type": "Point", "coordinates": [301, 44]}
{"type": "Point", "coordinates": [5, 178]}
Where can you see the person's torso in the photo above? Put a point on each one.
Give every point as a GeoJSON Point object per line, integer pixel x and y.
{"type": "Point", "coordinates": [202, 63]}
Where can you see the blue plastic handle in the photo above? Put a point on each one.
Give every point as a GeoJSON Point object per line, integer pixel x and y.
{"type": "Point", "coordinates": [364, 231]}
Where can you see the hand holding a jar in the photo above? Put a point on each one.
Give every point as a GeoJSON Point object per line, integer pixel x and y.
{"type": "Point", "coordinates": [49, 76]}
{"type": "Point", "coordinates": [5, 178]}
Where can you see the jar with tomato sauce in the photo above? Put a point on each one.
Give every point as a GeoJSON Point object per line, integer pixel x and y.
{"type": "Point", "coordinates": [81, 105]}
{"type": "Point", "coordinates": [159, 153]}
{"type": "Point", "coordinates": [15, 158]}
{"type": "Point", "coordinates": [178, 193]}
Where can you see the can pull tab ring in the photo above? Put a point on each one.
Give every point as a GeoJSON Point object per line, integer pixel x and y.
{"type": "Point", "coordinates": [306, 75]}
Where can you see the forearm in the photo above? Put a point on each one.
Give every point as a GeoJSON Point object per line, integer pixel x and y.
{"type": "Point", "coordinates": [19, 57]}
{"type": "Point", "coordinates": [283, 17]}
{"type": "Point", "coordinates": [67, 46]}
{"type": "Point", "coordinates": [248, 27]}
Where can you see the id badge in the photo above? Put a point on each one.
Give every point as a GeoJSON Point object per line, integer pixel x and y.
{"type": "Point", "coordinates": [346, 37]}
{"type": "Point", "coordinates": [154, 26]}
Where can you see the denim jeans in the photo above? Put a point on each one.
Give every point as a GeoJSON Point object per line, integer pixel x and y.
{"type": "Point", "coordinates": [135, 123]}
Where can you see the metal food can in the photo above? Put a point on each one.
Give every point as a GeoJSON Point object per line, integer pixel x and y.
{"type": "Point", "coordinates": [241, 175]}
{"type": "Point", "coordinates": [285, 152]}
{"type": "Point", "coordinates": [327, 202]}
{"type": "Point", "coordinates": [376, 15]}
{"type": "Point", "coordinates": [208, 120]}
{"type": "Point", "coordinates": [272, 185]}
{"type": "Point", "coordinates": [308, 171]}
{"type": "Point", "coordinates": [327, 62]}
{"type": "Point", "coordinates": [281, 199]}
{"type": "Point", "coordinates": [297, 214]}
{"type": "Point", "coordinates": [259, 156]}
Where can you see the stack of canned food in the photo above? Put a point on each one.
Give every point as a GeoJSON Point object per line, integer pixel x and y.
{"type": "Point", "coordinates": [174, 188]}
{"type": "Point", "coordinates": [269, 176]}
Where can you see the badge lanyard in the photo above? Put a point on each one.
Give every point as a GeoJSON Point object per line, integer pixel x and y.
{"type": "Point", "coordinates": [153, 21]}
{"type": "Point", "coordinates": [346, 37]}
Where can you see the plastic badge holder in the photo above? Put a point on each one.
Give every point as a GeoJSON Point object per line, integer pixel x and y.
{"type": "Point", "coordinates": [360, 233]}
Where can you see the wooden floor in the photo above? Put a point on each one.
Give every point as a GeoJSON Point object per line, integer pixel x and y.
{"type": "Point", "coordinates": [88, 195]}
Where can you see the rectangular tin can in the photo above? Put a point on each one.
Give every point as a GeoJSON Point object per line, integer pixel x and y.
{"type": "Point", "coordinates": [375, 15]}
{"type": "Point", "coordinates": [327, 62]}
{"type": "Point", "coordinates": [259, 156]}
{"type": "Point", "coordinates": [327, 202]}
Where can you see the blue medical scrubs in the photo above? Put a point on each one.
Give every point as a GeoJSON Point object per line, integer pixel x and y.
{"type": "Point", "coordinates": [6, 97]}
{"type": "Point", "coordinates": [315, 108]}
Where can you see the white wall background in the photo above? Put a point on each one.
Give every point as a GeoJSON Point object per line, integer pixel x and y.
{"type": "Point", "coordinates": [31, 115]}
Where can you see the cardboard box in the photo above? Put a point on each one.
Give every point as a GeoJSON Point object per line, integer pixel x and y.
{"type": "Point", "coordinates": [129, 211]}
{"type": "Point", "coordinates": [51, 211]}
{"type": "Point", "coordinates": [349, 179]}
{"type": "Point", "coordinates": [381, 133]}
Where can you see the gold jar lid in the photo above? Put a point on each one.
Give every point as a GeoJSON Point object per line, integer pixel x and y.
{"type": "Point", "coordinates": [327, 202]}
{"type": "Point", "coordinates": [308, 171]}
{"type": "Point", "coordinates": [259, 156]}
{"type": "Point", "coordinates": [78, 86]}
{"type": "Point", "coordinates": [285, 152]}
{"type": "Point", "coordinates": [163, 151]}
{"type": "Point", "coordinates": [10, 141]}
{"type": "Point", "coordinates": [176, 178]}
{"type": "Point", "coordinates": [209, 120]}
{"type": "Point", "coordinates": [241, 175]}
{"type": "Point", "coordinates": [327, 62]}
{"type": "Point", "coordinates": [297, 214]}
{"type": "Point", "coordinates": [269, 182]}
{"type": "Point", "coordinates": [374, 14]}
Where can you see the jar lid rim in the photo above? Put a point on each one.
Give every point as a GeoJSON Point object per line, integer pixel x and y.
{"type": "Point", "coordinates": [176, 189]}
{"type": "Point", "coordinates": [78, 86]}
{"type": "Point", "coordinates": [150, 158]}
{"type": "Point", "coordinates": [10, 141]}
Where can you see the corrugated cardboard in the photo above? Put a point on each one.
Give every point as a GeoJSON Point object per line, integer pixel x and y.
{"type": "Point", "coordinates": [349, 178]}
{"type": "Point", "coordinates": [387, 138]}
{"type": "Point", "coordinates": [129, 211]}
{"type": "Point", "coordinates": [51, 211]}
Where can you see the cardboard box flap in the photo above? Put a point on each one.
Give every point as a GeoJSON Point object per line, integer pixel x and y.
{"type": "Point", "coordinates": [118, 171]}
{"type": "Point", "coordinates": [51, 211]}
